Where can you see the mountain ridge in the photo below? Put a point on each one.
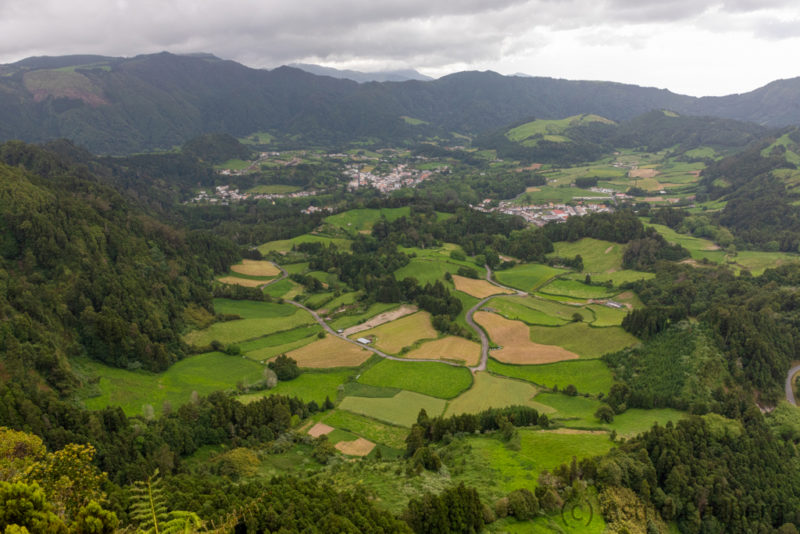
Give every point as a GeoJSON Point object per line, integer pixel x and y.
{"type": "Point", "coordinates": [158, 101]}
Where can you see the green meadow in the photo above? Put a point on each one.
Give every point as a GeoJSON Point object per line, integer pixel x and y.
{"type": "Point", "coordinates": [598, 256]}
{"type": "Point", "coordinates": [584, 340]}
{"type": "Point", "coordinates": [285, 245]}
{"type": "Point", "coordinates": [588, 376]}
{"type": "Point", "coordinates": [491, 391]}
{"type": "Point", "coordinates": [309, 386]}
{"type": "Point", "coordinates": [246, 329]}
{"type": "Point", "coordinates": [428, 378]}
{"type": "Point", "coordinates": [401, 409]}
{"type": "Point", "coordinates": [527, 277]}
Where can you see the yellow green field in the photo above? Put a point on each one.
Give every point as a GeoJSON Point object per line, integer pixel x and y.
{"type": "Point", "coordinates": [404, 332]}
{"type": "Point", "coordinates": [490, 391]}
{"type": "Point", "coordinates": [256, 268]}
{"type": "Point", "coordinates": [477, 288]}
{"type": "Point", "coordinates": [582, 339]}
{"type": "Point", "coordinates": [237, 281]}
{"type": "Point", "coordinates": [243, 329]}
{"type": "Point", "coordinates": [402, 409]}
{"type": "Point", "coordinates": [330, 352]}
{"type": "Point", "coordinates": [449, 348]}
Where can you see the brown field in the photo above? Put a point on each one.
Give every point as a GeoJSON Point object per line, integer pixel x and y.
{"type": "Point", "coordinates": [477, 288]}
{"type": "Point", "coordinates": [320, 429]}
{"type": "Point", "coordinates": [449, 348]}
{"type": "Point", "coordinates": [515, 338]}
{"type": "Point", "coordinates": [359, 447]}
{"type": "Point", "coordinates": [381, 318]}
{"type": "Point", "coordinates": [235, 280]}
{"type": "Point", "coordinates": [393, 336]}
{"type": "Point", "coordinates": [330, 352]}
{"type": "Point", "coordinates": [532, 189]}
{"type": "Point", "coordinates": [643, 173]}
{"type": "Point", "coordinates": [256, 268]}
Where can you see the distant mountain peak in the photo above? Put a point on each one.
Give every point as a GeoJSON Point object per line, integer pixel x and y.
{"type": "Point", "coordinates": [400, 75]}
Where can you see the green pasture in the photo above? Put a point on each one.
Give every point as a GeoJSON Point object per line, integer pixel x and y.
{"type": "Point", "coordinates": [598, 256]}
{"type": "Point", "coordinates": [402, 409]}
{"type": "Point", "coordinates": [203, 373]}
{"type": "Point", "coordinates": [348, 320]}
{"type": "Point", "coordinates": [283, 289]}
{"type": "Point", "coordinates": [527, 277]}
{"type": "Point", "coordinates": [582, 339]}
{"type": "Point", "coordinates": [757, 262]}
{"type": "Point", "coordinates": [577, 289]}
{"type": "Point", "coordinates": [362, 219]}
{"type": "Point", "coordinates": [428, 378]}
{"type": "Point", "coordinates": [368, 428]}
{"type": "Point", "coordinates": [285, 245]}
{"type": "Point", "coordinates": [309, 386]}
{"type": "Point", "coordinates": [246, 329]}
{"type": "Point", "coordinates": [274, 189]}
{"type": "Point", "coordinates": [514, 308]}
{"type": "Point", "coordinates": [561, 195]}
{"type": "Point", "coordinates": [578, 412]}
{"type": "Point", "coordinates": [249, 309]}
{"type": "Point", "coordinates": [616, 278]}
{"type": "Point", "coordinates": [489, 391]}
{"type": "Point", "coordinates": [234, 165]}
{"type": "Point", "coordinates": [698, 248]}
{"type": "Point", "coordinates": [551, 128]}
{"type": "Point", "coordinates": [257, 138]}
{"type": "Point", "coordinates": [605, 316]}
{"type": "Point", "coordinates": [588, 376]}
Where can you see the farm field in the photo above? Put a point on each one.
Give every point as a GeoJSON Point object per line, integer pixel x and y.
{"type": "Point", "coordinates": [249, 309]}
{"type": "Point", "coordinates": [605, 316]}
{"type": "Point", "coordinates": [698, 248]}
{"type": "Point", "coordinates": [274, 189]}
{"type": "Point", "coordinates": [490, 391]}
{"type": "Point", "coordinates": [371, 429]}
{"type": "Point", "coordinates": [308, 387]}
{"type": "Point", "coordinates": [527, 277]}
{"type": "Point", "coordinates": [515, 339]}
{"type": "Point", "coordinates": [245, 329]}
{"type": "Point", "coordinates": [330, 352]}
{"type": "Point", "coordinates": [402, 409]}
{"type": "Point", "coordinates": [477, 288]}
{"type": "Point", "coordinates": [576, 289]}
{"type": "Point", "coordinates": [588, 376]}
{"type": "Point", "coordinates": [428, 378]}
{"type": "Point", "coordinates": [347, 321]}
{"type": "Point", "coordinates": [362, 219]}
{"type": "Point", "coordinates": [256, 268]}
{"type": "Point", "coordinates": [598, 256]}
{"type": "Point", "coordinates": [583, 339]}
{"type": "Point", "coordinates": [203, 373]}
{"type": "Point", "coordinates": [449, 348]}
{"type": "Point", "coordinates": [382, 318]}
{"type": "Point", "coordinates": [240, 281]}
{"type": "Point", "coordinates": [285, 245]}
{"type": "Point", "coordinates": [616, 278]}
{"type": "Point", "coordinates": [532, 310]}
{"type": "Point", "coordinates": [392, 337]}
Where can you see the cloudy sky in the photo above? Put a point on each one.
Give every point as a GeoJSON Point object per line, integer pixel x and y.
{"type": "Point", "coordinates": [696, 47]}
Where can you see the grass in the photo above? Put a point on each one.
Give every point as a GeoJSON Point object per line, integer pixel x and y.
{"type": "Point", "coordinates": [393, 336]}
{"type": "Point", "coordinates": [256, 268]}
{"type": "Point", "coordinates": [281, 343]}
{"type": "Point", "coordinates": [430, 269]}
{"type": "Point", "coordinates": [527, 277]}
{"type": "Point", "coordinates": [578, 412]}
{"type": "Point", "coordinates": [588, 376]}
{"type": "Point", "coordinates": [598, 256]}
{"type": "Point", "coordinates": [698, 248]}
{"type": "Point", "coordinates": [283, 289]}
{"type": "Point", "coordinates": [365, 427]}
{"type": "Point", "coordinates": [285, 245]}
{"type": "Point", "coordinates": [204, 373]}
{"type": "Point", "coordinates": [429, 378]}
{"type": "Point", "coordinates": [551, 128]}
{"type": "Point", "coordinates": [241, 281]}
{"type": "Point", "coordinates": [358, 220]}
{"type": "Point", "coordinates": [248, 309]}
{"type": "Point", "coordinates": [514, 338]}
{"type": "Point", "coordinates": [605, 316]}
{"type": "Point", "coordinates": [401, 410]}
{"type": "Point", "coordinates": [330, 352]}
{"type": "Point", "coordinates": [245, 329]}
{"type": "Point", "coordinates": [561, 195]}
{"type": "Point", "coordinates": [452, 348]}
{"type": "Point", "coordinates": [533, 311]}
{"type": "Point", "coordinates": [617, 278]}
{"type": "Point", "coordinates": [490, 391]}
{"type": "Point", "coordinates": [577, 289]}
{"type": "Point", "coordinates": [308, 387]}
{"type": "Point", "coordinates": [274, 189]}
{"type": "Point", "coordinates": [347, 320]}
{"type": "Point", "coordinates": [583, 339]}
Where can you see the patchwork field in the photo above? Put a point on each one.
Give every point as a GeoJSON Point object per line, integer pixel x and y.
{"type": "Point", "coordinates": [256, 268]}
{"type": "Point", "coordinates": [364, 218]}
{"type": "Point", "coordinates": [588, 376]}
{"type": "Point", "coordinates": [583, 339]}
{"type": "Point", "coordinates": [308, 386]}
{"type": "Point", "coordinates": [285, 245]}
{"type": "Point", "coordinates": [576, 289]}
{"type": "Point", "coordinates": [244, 329]}
{"type": "Point", "coordinates": [359, 447]}
{"type": "Point", "coordinates": [248, 309]}
{"type": "Point", "coordinates": [429, 378]}
{"type": "Point", "coordinates": [495, 392]}
{"type": "Point", "coordinates": [449, 348]}
{"type": "Point", "coordinates": [382, 318]}
{"type": "Point", "coordinates": [598, 256]}
{"type": "Point", "coordinates": [238, 281]}
{"type": "Point", "coordinates": [532, 310]}
{"type": "Point", "coordinates": [330, 352]}
{"type": "Point", "coordinates": [477, 288]}
{"type": "Point", "coordinates": [527, 277]}
{"type": "Point", "coordinates": [402, 409]}
{"type": "Point", "coordinates": [392, 337]}
{"type": "Point", "coordinates": [515, 339]}
{"type": "Point", "coordinates": [371, 429]}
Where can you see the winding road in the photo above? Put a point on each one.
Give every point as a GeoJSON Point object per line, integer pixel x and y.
{"type": "Point", "coordinates": [788, 387]}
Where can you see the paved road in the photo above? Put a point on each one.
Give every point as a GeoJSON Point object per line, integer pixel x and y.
{"type": "Point", "coordinates": [283, 275]}
{"type": "Point", "coordinates": [471, 322]}
{"type": "Point", "coordinates": [788, 387]}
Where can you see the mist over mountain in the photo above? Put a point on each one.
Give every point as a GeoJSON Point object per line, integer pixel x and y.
{"type": "Point", "coordinates": [402, 75]}
{"type": "Point", "coordinates": [158, 101]}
